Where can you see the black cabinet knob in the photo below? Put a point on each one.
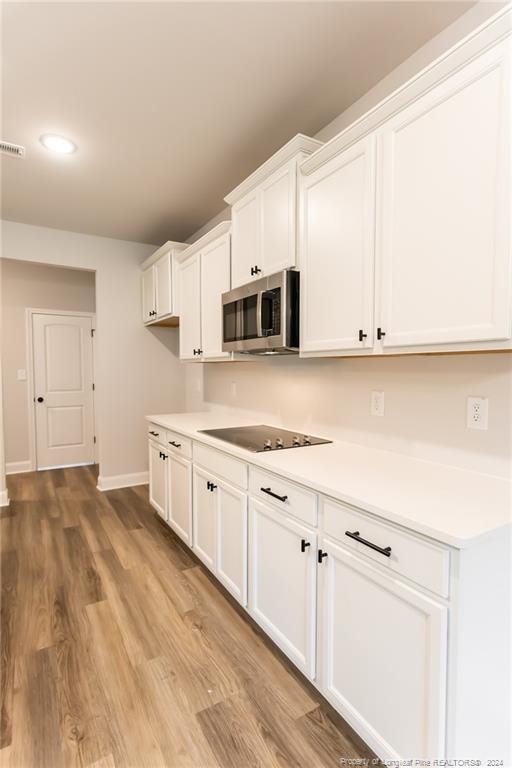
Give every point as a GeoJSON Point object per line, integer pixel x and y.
{"type": "Point", "coordinates": [362, 335]}
{"type": "Point", "coordinates": [304, 544]}
{"type": "Point", "coordinates": [255, 270]}
{"type": "Point", "coordinates": [380, 333]}
{"type": "Point", "coordinates": [321, 555]}
{"type": "Point", "coordinates": [40, 399]}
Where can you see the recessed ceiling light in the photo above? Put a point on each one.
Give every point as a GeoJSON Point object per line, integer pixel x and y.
{"type": "Point", "coordinates": [58, 144]}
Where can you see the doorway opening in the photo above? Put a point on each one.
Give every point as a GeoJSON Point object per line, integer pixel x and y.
{"type": "Point", "coordinates": [48, 321]}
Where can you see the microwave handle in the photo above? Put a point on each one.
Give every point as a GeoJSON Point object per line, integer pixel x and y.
{"type": "Point", "coordinates": [259, 311]}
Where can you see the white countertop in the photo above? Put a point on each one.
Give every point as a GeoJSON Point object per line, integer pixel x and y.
{"type": "Point", "coordinates": [451, 505]}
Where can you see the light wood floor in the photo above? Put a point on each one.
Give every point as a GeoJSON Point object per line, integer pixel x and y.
{"type": "Point", "coordinates": [119, 650]}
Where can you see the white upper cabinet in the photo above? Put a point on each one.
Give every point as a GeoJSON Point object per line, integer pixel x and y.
{"type": "Point", "coordinates": [159, 293]}
{"type": "Point", "coordinates": [278, 211]}
{"type": "Point", "coordinates": [337, 251]}
{"type": "Point", "coordinates": [245, 234]}
{"type": "Point", "coordinates": [189, 281]}
{"type": "Point", "coordinates": [444, 239]}
{"type": "Point", "coordinates": [405, 217]}
{"type": "Point", "coordinates": [264, 214]}
{"type": "Point", "coordinates": [215, 280]}
{"type": "Point", "coordinates": [164, 286]}
{"type": "Point", "coordinates": [148, 295]}
{"type": "Point", "coordinates": [203, 272]}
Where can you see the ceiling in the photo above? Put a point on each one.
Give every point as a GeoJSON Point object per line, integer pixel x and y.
{"type": "Point", "coordinates": [173, 104]}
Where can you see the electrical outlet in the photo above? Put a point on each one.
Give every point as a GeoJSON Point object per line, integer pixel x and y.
{"type": "Point", "coordinates": [477, 415]}
{"type": "Point", "coordinates": [377, 403]}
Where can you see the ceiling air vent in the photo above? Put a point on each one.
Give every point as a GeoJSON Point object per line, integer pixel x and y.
{"type": "Point", "coordinates": [15, 150]}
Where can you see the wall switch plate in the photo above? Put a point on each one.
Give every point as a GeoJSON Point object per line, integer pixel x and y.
{"type": "Point", "coordinates": [377, 403]}
{"type": "Point", "coordinates": [477, 413]}
{"type": "Point", "coordinates": [21, 374]}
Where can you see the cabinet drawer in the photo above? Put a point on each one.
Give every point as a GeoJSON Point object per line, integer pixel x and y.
{"type": "Point", "coordinates": [294, 499]}
{"type": "Point", "coordinates": [176, 443]}
{"type": "Point", "coordinates": [156, 433]}
{"type": "Point", "coordinates": [221, 464]}
{"type": "Point", "coordinates": [423, 562]}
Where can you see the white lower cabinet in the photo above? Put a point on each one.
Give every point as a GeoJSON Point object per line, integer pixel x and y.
{"type": "Point", "coordinates": [204, 518]}
{"type": "Point", "coordinates": [157, 479]}
{"type": "Point", "coordinates": [282, 579]}
{"type": "Point", "coordinates": [179, 508]}
{"type": "Point", "coordinates": [371, 633]}
{"type": "Point", "coordinates": [220, 531]}
{"type": "Point", "coordinates": [382, 656]}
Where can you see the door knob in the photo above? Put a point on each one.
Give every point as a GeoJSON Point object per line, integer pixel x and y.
{"type": "Point", "coordinates": [40, 399]}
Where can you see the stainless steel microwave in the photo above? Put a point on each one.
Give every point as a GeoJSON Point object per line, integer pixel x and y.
{"type": "Point", "coordinates": [262, 317]}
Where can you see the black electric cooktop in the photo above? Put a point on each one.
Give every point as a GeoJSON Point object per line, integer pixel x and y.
{"type": "Point", "coordinates": [261, 437]}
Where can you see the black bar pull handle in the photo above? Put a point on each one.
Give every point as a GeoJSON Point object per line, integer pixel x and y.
{"type": "Point", "coordinates": [321, 555]}
{"type": "Point", "coordinates": [164, 456]}
{"type": "Point", "coordinates": [155, 434]}
{"type": "Point", "coordinates": [304, 544]}
{"type": "Point", "coordinates": [211, 486]}
{"type": "Point", "coordinates": [362, 335]}
{"type": "Point", "coordinates": [270, 492]}
{"type": "Point", "coordinates": [380, 333]}
{"type": "Point", "coordinates": [176, 445]}
{"type": "Point", "coordinates": [386, 551]}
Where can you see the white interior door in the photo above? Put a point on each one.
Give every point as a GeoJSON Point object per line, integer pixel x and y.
{"type": "Point", "coordinates": [63, 396]}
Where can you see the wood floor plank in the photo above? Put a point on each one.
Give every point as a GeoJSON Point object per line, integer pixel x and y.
{"type": "Point", "coordinates": [9, 576]}
{"type": "Point", "coordinates": [234, 736]}
{"type": "Point", "coordinates": [119, 650]}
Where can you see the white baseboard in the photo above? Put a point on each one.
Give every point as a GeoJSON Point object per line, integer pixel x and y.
{"type": "Point", "coordinates": [15, 467]}
{"type": "Point", "coordinates": [122, 481]}
{"type": "Point", "coordinates": [4, 499]}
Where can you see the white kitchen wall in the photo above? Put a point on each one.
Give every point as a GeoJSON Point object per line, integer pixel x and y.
{"type": "Point", "coordinates": [131, 361]}
{"type": "Point", "coordinates": [425, 401]}
{"type": "Point", "coordinates": [425, 396]}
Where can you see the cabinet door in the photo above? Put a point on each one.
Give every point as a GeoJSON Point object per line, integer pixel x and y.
{"type": "Point", "coordinates": [382, 659]}
{"type": "Point", "coordinates": [190, 306]}
{"type": "Point", "coordinates": [157, 480]}
{"type": "Point", "coordinates": [278, 204]}
{"type": "Point", "coordinates": [180, 497]}
{"type": "Point", "coordinates": [245, 230]}
{"type": "Point", "coordinates": [337, 252]}
{"type": "Point", "coordinates": [204, 518]}
{"type": "Point", "coordinates": [232, 540]}
{"type": "Point", "coordinates": [215, 280]}
{"type": "Point", "coordinates": [148, 294]}
{"type": "Point", "coordinates": [283, 583]}
{"type": "Point", "coordinates": [445, 198]}
{"type": "Point", "coordinates": [163, 280]}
